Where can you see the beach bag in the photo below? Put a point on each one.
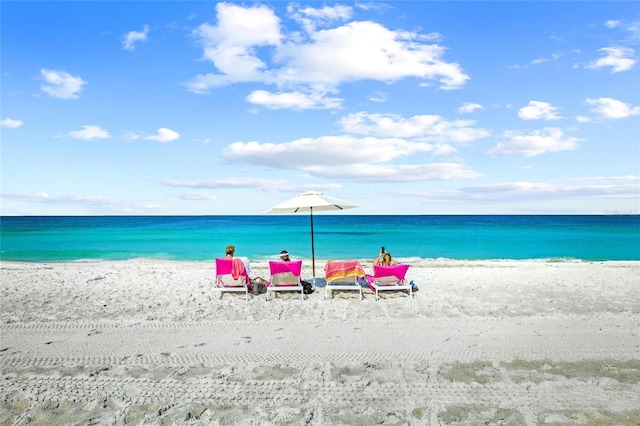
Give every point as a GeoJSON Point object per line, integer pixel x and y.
{"type": "Point", "coordinates": [261, 284]}
{"type": "Point", "coordinates": [307, 287]}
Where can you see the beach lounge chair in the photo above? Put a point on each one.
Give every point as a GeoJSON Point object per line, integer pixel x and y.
{"type": "Point", "coordinates": [231, 275]}
{"type": "Point", "coordinates": [342, 275]}
{"type": "Point", "coordinates": [285, 276]}
{"type": "Point", "coordinates": [390, 278]}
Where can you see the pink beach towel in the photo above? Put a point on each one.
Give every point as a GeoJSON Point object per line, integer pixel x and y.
{"type": "Point", "coordinates": [335, 269]}
{"type": "Point", "coordinates": [237, 268]}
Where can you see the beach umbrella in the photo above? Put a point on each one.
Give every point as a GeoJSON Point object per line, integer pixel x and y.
{"type": "Point", "coordinates": [311, 202]}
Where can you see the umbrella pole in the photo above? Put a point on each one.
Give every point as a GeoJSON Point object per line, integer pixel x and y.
{"type": "Point", "coordinates": [313, 251]}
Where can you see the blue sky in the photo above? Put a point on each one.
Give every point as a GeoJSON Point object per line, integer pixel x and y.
{"type": "Point", "coordinates": [164, 108]}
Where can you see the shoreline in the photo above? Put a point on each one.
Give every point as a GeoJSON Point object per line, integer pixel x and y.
{"type": "Point", "coordinates": [413, 261]}
{"type": "Point", "coordinates": [143, 341]}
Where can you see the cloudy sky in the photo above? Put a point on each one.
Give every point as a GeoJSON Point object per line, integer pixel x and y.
{"type": "Point", "coordinates": [164, 108]}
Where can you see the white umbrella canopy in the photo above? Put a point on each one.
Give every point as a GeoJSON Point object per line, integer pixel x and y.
{"type": "Point", "coordinates": [309, 202]}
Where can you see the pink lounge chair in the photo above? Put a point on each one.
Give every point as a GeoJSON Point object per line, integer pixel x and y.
{"type": "Point", "coordinates": [342, 275]}
{"type": "Point", "coordinates": [285, 276]}
{"type": "Point", "coordinates": [228, 279]}
{"type": "Point", "coordinates": [391, 277]}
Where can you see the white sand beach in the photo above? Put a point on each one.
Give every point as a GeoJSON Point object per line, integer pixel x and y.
{"type": "Point", "coordinates": [143, 342]}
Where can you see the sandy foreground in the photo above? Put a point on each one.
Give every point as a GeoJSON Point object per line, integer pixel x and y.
{"type": "Point", "coordinates": [144, 342]}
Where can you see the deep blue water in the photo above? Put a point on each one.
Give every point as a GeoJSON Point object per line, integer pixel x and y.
{"type": "Point", "coordinates": [606, 237]}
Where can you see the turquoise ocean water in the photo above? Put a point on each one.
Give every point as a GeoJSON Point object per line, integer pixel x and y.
{"type": "Point", "coordinates": [408, 238]}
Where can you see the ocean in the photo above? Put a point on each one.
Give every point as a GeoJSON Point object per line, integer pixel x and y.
{"type": "Point", "coordinates": [336, 236]}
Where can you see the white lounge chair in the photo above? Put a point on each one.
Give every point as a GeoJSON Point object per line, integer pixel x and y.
{"type": "Point", "coordinates": [390, 278]}
{"type": "Point", "coordinates": [225, 280]}
{"type": "Point", "coordinates": [285, 276]}
{"type": "Point", "coordinates": [343, 275]}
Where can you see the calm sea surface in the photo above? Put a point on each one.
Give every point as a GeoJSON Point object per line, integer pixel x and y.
{"type": "Point", "coordinates": [409, 238]}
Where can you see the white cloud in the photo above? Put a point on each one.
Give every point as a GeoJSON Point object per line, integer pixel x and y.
{"type": "Point", "coordinates": [618, 58]}
{"type": "Point", "coordinates": [228, 183]}
{"type": "Point", "coordinates": [582, 119]}
{"type": "Point", "coordinates": [428, 127]}
{"type": "Point", "coordinates": [310, 17]}
{"type": "Point", "coordinates": [554, 57]}
{"type": "Point", "coordinates": [131, 136]}
{"type": "Point", "coordinates": [612, 108]}
{"type": "Point", "coordinates": [624, 178]}
{"type": "Point", "coordinates": [634, 31]}
{"type": "Point", "coordinates": [396, 173]}
{"type": "Point", "coordinates": [557, 38]}
{"type": "Point", "coordinates": [196, 196]}
{"type": "Point", "coordinates": [469, 107]}
{"type": "Point", "coordinates": [538, 61]}
{"type": "Point", "coordinates": [89, 132]}
{"type": "Point", "coordinates": [246, 45]}
{"type": "Point", "coordinates": [164, 135]}
{"type": "Point", "coordinates": [10, 123]}
{"type": "Point", "coordinates": [133, 37]}
{"type": "Point", "coordinates": [379, 97]}
{"type": "Point", "coordinates": [373, 5]}
{"type": "Point", "coordinates": [61, 84]}
{"type": "Point", "coordinates": [96, 204]}
{"type": "Point", "coordinates": [231, 45]}
{"type": "Point", "coordinates": [612, 23]}
{"type": "Point", "coordinates": [348, 158]}
{"type": "Point", "coordinates": [631, 28]}
{"type": "Point", "coordinates": [531, 191]}
{"type": "Point", "coordinates": [364, 50]}
{"type": "Point", "coordinates": [539, 142]}
{"type": "Point", "coordinates": [293, 100]}
{"type": "Point", "coordinates": [270, 185]}
{"type": "Point", "coordinates": [537, 110]}
{"type": "Point", "coordinates": [45, 197]}
{"type": "Point", "coordinates": [304, 154]}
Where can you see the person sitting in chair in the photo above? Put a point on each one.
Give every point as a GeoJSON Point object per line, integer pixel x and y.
{"type": "Point", "coordinates": [230, 251]}
{"type": "Point", "coordinates": [284, 256]}
{"type": "Point", "coordinates": [384, 259]}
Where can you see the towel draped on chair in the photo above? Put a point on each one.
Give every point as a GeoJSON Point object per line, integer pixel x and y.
{"type": "Point", "coordinates": [231, 275]}
{"type": "Point", "coordinates": [342, 275]}
{"type": "Point", "coordinates": [343, 268]}
{"type": "Point", "coordinates": [237, 268]}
